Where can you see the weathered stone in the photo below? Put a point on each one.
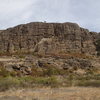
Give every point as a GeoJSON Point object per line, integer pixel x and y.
{"type": "Point", "coordinates": [46, 38]}
{"type": "Point", "coordinates": [25, 66]}
{"type": "Point", "coordinates": [57, 43]}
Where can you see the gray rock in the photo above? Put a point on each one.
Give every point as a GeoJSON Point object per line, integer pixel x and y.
{"type": "Point", "coordinates": [45, 38]}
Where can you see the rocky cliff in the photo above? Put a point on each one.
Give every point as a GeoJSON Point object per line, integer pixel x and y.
{"type": "Point", "coordinates": [46, 38]}
{"type": "Point", "coordinates": [42, 46]}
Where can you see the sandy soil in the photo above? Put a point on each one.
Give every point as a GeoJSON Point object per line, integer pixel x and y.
{"type": "Point", "coordinates": [73, 93]}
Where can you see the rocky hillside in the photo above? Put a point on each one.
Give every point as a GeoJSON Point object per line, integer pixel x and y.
{"type": "Point", "coordinates": [47, 38]}
{"type": "Point", "coordinates": [42, 48]}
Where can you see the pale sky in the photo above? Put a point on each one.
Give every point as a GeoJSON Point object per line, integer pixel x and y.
{"type": "Point", "coordinates": [84, 12]}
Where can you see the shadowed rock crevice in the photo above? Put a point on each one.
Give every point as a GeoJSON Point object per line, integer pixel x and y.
{"type": "Point", "coordinates": [97, 43]}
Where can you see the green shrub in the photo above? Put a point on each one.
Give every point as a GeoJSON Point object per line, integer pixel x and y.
{"type": "Point", "coordinates": [8, 82]}
{"type": "Point", "coordinates": [88, 77]}
{"type": "Point", "coordinates": [70, 79]}
{"type": "Point", "coordinates": [36, 72]}
{"type": "Point", "coordinates": [21, 56]}
{"type": "Point", "coordinates": [46, 81]}
{"type": "Point", "coordinates": [51, 71]}
{"type": "Point", "coordinates": [4, 72]}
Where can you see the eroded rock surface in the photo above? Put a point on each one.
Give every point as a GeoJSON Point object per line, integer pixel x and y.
{"type": "Point", "coordinates": [25, 65]}
{"type": "Point", "coordinates": [61, 45]}
{"type": "Point", "coordinates": [48, 38]}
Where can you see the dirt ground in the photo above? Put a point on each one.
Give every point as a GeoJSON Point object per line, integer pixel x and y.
{"type": "Point", "coordinates": [72, 93]}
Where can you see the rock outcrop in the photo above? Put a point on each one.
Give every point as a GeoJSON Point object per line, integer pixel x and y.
{"type": "Point", "coordinates": [46, 38]}
{"type": "Point", "coordinates": [25, 65]}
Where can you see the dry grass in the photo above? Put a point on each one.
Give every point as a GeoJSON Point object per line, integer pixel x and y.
{"type": "Point", "coordinates": [72, 93]}
{"type": "Point", "coordinates": [64, 55]}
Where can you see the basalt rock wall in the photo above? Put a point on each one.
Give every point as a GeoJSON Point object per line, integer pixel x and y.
{"type": "Point", "coordinates": [48, 38]}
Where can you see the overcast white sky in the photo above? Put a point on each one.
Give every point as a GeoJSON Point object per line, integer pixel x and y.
{"type": "Point", "coordinates": [84, 12]}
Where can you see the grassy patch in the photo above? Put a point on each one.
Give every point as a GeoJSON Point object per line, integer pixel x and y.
{"type": "Point", "coordinates": [5, 73]}
{"type": "Point", "coordinates": [89, 83]}
{"type": "Point", "coordinates": [8, 82]}
{"type": "Point", "coordinates": [50, 76]}
{"type": "Point", "coordinates": [46, 81]}
{"type": "Point", "coordinates": [87, 80]}
{"type": "Point", "coordinates": [26, 82]}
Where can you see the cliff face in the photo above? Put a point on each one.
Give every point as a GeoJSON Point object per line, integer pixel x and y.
{"type": "Point", "coordinates": [48, 38]}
